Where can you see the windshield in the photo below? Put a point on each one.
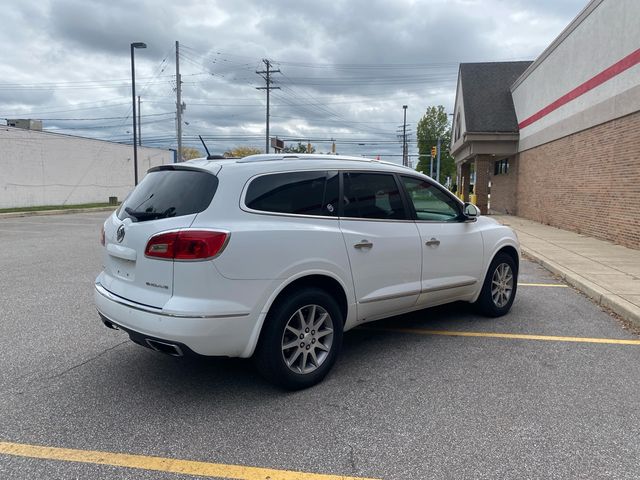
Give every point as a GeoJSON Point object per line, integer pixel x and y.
{"type": "Point", "coordinates": [169, 193]}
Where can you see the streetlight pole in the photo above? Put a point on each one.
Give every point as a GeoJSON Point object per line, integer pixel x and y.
{"type": "Point", "coordinates": [139, 123]}
{"type": "Point", "coordinates": [133, 101]}
{"type": "Point", "coordinates": [404, 138]}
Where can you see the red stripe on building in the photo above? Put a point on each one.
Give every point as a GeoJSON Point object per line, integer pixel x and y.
{"type": "Point", "coordinates": [615, 69]}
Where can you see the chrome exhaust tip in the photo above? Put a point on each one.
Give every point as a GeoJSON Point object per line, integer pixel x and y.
{"type": "Point", "coordinates": [108, 323]}
{"type": "Point", "coordinates": [163, 347]}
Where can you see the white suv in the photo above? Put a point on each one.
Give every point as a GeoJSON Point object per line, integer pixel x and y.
{"type": "Point", "coordinates": [275, 256]}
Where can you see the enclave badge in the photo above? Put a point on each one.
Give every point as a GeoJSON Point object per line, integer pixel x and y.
{"type": "Point", "coordinates": [120, 233]}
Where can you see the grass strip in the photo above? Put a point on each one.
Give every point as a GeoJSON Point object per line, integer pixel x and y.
{"type": "Point", "coordinates": [55, 207]}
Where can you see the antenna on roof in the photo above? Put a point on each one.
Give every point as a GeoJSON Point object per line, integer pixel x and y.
{"type": "Point", "coordinates": [205, 146]}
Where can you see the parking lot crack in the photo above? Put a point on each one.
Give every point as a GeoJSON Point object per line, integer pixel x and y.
{"type": "Point", "coordinates": [352, 459]}
{"type": "Point", "coordinates": [45, 382]}
{"type": "Point", "coordinates": [84, 362]}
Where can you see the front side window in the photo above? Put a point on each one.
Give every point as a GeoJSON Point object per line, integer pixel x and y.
{"type": "Point", "coordinates": [372, 195]}
{"type": "Point", "coordinates": [299, 193]}
{"type": "Point", "coordinates": [429, 202]}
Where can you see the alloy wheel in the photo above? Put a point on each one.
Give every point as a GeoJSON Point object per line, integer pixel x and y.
{"type": "Point", "coordinates": [307, 339]}
{"type": "Point", "coordinates": [501, 285]}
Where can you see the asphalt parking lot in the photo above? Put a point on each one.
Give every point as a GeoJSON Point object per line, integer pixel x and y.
{"type": "Point", "coordinates": [551, 390]}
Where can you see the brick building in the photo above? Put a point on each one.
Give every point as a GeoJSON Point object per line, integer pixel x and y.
{"type": "Point", "coordinates": [557, 140]}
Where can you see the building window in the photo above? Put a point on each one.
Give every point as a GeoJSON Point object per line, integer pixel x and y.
{"type": "Point", "coordinates": [501, 167]}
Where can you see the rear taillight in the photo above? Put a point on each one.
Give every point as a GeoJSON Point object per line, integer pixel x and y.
{"type": "Point", "coordinates": [102, 241]}
{"type": "Point", "coordinates": [186, 245]}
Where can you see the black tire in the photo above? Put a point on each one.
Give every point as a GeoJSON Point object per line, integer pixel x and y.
{"type": "Point", "coordinates": [492, 303]}
{"type": "Point", "coordinates": [294, 368]}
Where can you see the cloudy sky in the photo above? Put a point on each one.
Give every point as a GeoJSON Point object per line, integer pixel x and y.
{"type": "Point", "coordinates": [346, 66]}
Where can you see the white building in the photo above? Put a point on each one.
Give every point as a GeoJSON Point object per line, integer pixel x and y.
{"type": "Point", "coordinates": [43, 168]}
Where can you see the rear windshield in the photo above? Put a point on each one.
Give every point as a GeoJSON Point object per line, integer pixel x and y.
{"type": "Point", "coordinates": [169, 193]}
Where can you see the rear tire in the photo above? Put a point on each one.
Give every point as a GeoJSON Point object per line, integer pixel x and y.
{"type": "Point", "coordinates": [301, 339]}
{"type": "Point", "coordinates": [499, 288]}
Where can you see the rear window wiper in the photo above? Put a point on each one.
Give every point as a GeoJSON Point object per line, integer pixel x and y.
{"type": "Point", "coordinates": [142, 216]}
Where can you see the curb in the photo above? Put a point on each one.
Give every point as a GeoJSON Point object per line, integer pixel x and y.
{"type": "Point", "coordinates": [56, 212]}
{"type": "Point", "coordinates": [599, 295]}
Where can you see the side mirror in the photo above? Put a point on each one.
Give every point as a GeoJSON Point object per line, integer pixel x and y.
{"type": "Point", "coordinates": [471, 211]}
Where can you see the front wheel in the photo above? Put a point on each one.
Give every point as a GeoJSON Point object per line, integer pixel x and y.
{"type": "Point", "coordinates": [301, 339]}
{"type": "Point", "coordinates": [499, 288]}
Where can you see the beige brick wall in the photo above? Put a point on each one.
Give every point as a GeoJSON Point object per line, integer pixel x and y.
{"type": "Point", "coordinates": [503, 190]}
{"type": "Point", "coordinates": [588, 182]}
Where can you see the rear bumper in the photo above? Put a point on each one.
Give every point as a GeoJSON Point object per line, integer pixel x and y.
{"type": "Point", "coordinates": [174, 349]}
{"type": "Point", "coordinates": [210, 335]}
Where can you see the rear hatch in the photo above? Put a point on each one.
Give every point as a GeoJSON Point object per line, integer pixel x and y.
{"type": "Point", "coordinates": [168, 198]}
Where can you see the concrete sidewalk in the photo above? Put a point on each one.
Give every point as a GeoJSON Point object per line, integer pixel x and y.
{"type": "Point", "coordinates": [606, 272]}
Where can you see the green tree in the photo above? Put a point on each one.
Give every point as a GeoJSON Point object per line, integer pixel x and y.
{"type": "Point", "coordinates": [434, 124]}
{"type": "Point", "coordinates": [300, 148]}
{"type": "Point", "coordinates": [240, 152]}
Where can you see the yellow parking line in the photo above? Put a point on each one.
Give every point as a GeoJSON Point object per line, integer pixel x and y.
{"type": "Point", "coordinates": [557, 285]}
{"type": "Point", "coordinates": [517, 336]}
{"type": "Point", "coordinates": [160, 464]}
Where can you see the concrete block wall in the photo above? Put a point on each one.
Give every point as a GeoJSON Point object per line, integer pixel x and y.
{"type": "Point", "coordinates": [588, 182]}
{"type": "Point", "coordinates": [41, 168]}
{"type": "Point", "coordinates": [588, 76]}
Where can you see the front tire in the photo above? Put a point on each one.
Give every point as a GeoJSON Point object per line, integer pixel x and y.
{"type": "Point", "coordinates": [301, 339]}
{"type": "Point", "coordinates": [499, 288]}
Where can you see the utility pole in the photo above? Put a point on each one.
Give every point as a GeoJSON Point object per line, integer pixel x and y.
{"type": "Point", "coordinates": [179, 105]}
{"type": "Point", "coordinates": [405, 158]}
{"type": "Point", "coordinates": [267, 77]}
{"type": "Point", "coordinates": [139, 124]}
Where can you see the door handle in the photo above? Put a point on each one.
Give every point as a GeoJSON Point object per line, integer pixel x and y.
{"type": "Point", "coordinates": [363, 244]}
{"type": "Point", "coordinates": [434, 242]}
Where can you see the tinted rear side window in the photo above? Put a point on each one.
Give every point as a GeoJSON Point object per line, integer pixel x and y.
{"type": "Point", "coordinates": [372, 195]}
{"type": "Point", "coordinates": [300, 193]}
{"type": "Point", "coordinates": [169, 193]}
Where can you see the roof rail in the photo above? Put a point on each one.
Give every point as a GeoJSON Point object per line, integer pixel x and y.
{"type": "Point", "coordinates": [308, 156]}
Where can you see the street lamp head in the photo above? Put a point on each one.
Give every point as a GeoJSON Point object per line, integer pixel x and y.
{"type": "Point", "coordinates": [404, 106]}
{"type": "Point", "coordinates": [139, 45]}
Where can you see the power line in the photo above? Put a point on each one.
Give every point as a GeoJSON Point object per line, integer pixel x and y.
{"type": "Point", "coordinates": [115, 125]}
{"type": "Point", "coordinates": [101, 118]}
{"type": "Point", "coordinates": [298, 95]}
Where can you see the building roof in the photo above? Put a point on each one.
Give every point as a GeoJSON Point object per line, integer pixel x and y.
{"type": "Point", "coordinates": [486, 92]}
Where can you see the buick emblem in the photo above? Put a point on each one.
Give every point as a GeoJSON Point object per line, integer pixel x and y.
{"type": "Point", "coordinates": [120, 233]}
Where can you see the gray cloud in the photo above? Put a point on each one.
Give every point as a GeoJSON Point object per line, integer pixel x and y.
{"type": "Point", "coordinates": [347, 66]}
